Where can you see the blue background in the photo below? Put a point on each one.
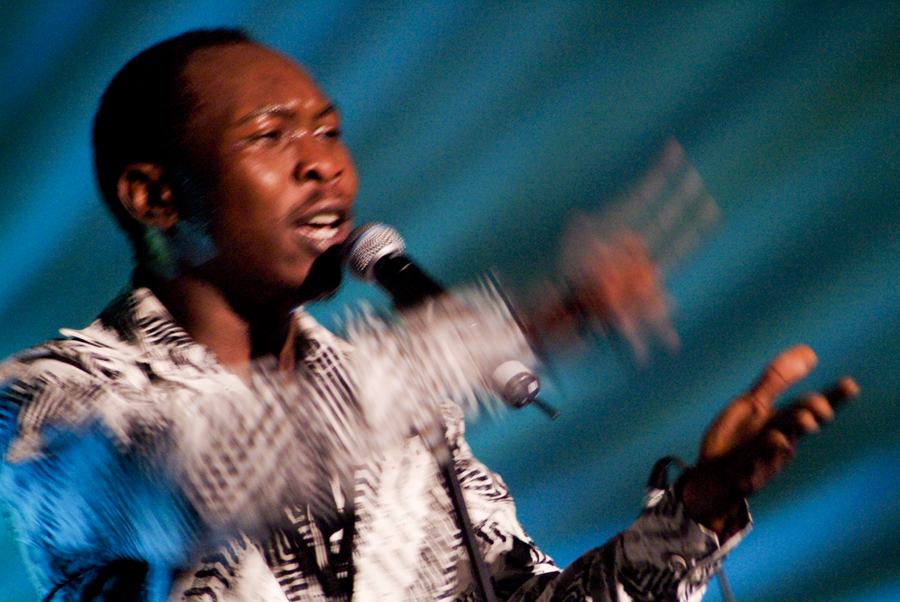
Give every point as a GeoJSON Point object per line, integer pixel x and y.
{"type": "Point", "coordinates": [478, 128]}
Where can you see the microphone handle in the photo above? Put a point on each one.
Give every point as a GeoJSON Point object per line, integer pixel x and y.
{"type": "Point", "coordinates": [406, 283]}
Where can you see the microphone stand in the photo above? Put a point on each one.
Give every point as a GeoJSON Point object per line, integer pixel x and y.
{"type": "Point", "coordinates": [440, 449]}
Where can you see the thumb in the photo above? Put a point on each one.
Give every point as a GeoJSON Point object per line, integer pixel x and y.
{"type": "Point", "coordinates": [791, 366]}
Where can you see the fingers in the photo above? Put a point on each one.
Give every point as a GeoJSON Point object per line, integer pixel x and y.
{"type": "Point", "coordinates": [841, 392]}
{"type": "Point", "coordinates": [774, 452]}
{"type": "Point", "coordinates": [625, 290]}
{"type": "Point", "coordinates": [616, 285]}
{"type": "Point", "coordinates": [783, 372]}
{"type": "Point", "coordinates": [806, 416]}
{"type": "Point", "coordinates": [803, 418]}
{"type": "Point", "coordinates": [644, 319]}
{"type": "Point", "coordinates": [750, 443]}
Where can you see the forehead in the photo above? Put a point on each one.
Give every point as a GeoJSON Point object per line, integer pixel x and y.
{"type": "Point", "coordinates": [230, 80]}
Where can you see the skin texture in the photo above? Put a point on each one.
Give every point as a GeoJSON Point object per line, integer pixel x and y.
{"type": "Point", "coordinates": [268, 158]}
{"type": "Point", "coordinates": [267, 155]}
{"type": "Point", "coordinates": [273, 157]}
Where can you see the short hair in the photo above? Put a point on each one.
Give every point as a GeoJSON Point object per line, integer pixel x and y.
{"type": "Point", "coordinates": [143, 114]}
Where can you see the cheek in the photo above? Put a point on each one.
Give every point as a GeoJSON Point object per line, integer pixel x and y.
{"type": "Point", "coordinates": [245, 232]}
{"type": "Point", "coordinates": [263, 178]}
{"type": "Point", "coordinates": [252, 197]}
{"type": "Point", "coordinates": [243, 172]}
{"type": "Point", "coordinates": [351, 177]}
{"type": "Point", "coordinates": [352, 185]}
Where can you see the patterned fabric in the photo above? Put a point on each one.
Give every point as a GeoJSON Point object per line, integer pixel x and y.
{"type": "Point", "coordinates": [122, 455]}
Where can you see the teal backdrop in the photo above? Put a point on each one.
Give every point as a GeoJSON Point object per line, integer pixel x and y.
{"type": "Point", "coordinates": [479, 128]}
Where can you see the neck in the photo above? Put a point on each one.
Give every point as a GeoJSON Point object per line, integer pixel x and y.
{"type": "Point", "coordinates": [236, 335]}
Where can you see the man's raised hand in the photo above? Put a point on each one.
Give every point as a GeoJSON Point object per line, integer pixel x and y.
{"type": "Point", "coordinates": [751, 441]}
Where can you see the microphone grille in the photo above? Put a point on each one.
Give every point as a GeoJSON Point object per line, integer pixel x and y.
{"type": "Point", "coordinates": [367, 244]}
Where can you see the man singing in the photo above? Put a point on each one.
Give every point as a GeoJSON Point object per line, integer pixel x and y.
{"type": "Point", "coordinates": [224, 163]}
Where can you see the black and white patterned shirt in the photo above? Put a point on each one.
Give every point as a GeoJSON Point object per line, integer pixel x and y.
{"type": "Point", "coordinates": [137, 467]}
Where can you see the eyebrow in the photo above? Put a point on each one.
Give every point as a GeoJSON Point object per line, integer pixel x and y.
{"type": "Point", "coordinates": [282, 111]}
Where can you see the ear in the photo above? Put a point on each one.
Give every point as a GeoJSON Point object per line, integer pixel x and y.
{"type": "Point", "coordinates": [147, 196]}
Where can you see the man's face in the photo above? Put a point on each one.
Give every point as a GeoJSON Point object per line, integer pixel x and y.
{"type": "Point", "coordinates": [266, 145]}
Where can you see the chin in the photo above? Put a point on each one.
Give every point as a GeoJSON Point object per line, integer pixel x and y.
{"type": "Point", "coordinates": [324, 277]}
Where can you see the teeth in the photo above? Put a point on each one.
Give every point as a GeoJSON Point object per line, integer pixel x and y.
{"type": "Point", "coordinates": [321, 227]}
{"type": "Point", "coordinates": [321, 233]}
{"type": "Point", "coordinates": [324, 219]}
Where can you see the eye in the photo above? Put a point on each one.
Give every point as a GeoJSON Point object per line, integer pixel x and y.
{"type": "Point", "coordinates": [267, 135]}
{"type": "Point", "coordinates": [329, 132]}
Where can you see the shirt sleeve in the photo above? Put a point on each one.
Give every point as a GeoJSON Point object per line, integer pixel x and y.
{"type": "Point", "coordinates": [82, 506]}
{"type": "Point", "coordinates": [663, 556]}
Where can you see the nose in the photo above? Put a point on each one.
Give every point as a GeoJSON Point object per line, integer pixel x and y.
{"type": "Point", "coordinates": [317, 160]}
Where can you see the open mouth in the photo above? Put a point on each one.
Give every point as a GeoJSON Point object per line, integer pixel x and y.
{"type": "Point", "coordinates": [324, 225]}
{"type": "Point", "coordinates": [323, 229]}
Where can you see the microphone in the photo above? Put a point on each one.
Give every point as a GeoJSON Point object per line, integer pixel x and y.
{"type": "Point", "coordinates": [375, 253]}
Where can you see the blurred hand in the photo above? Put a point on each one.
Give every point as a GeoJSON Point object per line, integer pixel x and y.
{"type": "Point", "coordinates": [616, 285]}
{"type": "Point", "coordinates": [751, 441]}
